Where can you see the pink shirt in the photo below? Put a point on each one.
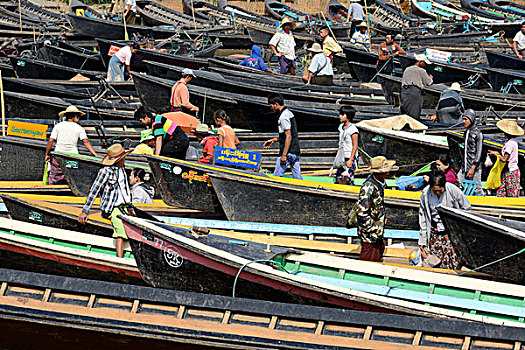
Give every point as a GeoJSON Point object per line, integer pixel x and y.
{"type": "Point", "coordinates": [124, 55]}
{"type": "Point", "coordinates": [511, 147]}
{"type": "Point", "coordinates": [450, 176]}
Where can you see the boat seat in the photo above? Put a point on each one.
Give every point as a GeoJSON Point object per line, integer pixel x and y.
{"type": "Point", "coordinates": [469, 187]}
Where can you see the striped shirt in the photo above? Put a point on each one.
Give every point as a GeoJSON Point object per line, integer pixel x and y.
{"type": "Point", "coordinates": [166, 128]}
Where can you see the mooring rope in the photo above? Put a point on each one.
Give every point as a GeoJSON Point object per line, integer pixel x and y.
{"type": "Point", "coordinates": [493, 262]}
{"type": "Point", "coordinates": [255, 261]}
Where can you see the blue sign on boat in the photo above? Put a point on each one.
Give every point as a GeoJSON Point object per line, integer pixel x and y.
{"type": "Point", "coordinates": [237, 157]}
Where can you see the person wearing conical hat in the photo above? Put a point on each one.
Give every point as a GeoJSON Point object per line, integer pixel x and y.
{"type": "Point", "coordinates": [320, 71]}
{"type": "Point", "coordinates": [113, 186]}
{"type": "Point", "coordinates": [361, 38]}
{"type": "Point", "coordinates": [282, 45]}
{"type": "Point", "coordinates": [371, 213]}
{"type": "Point", "coordinates": [356, 14]}
{"type": "Point", "coordinates": [450, 106]}
{"type": "Point", "coordinates": [510, 176]}
{"type": "Point", "coordinates": [66, 134]}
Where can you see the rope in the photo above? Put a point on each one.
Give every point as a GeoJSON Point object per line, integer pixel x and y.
{"type": "Point", "coordinates": [492, 263]}
{"type": "Point", "coordinates": [391, 58]}
{"type": "Point", "coordinates": [204, 107]}
{"type": "Point", "coordinates": [255, 261]}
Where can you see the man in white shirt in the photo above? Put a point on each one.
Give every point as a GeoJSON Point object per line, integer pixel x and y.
{"type": "Point", "coordinates": [131, 12]}
{"type": "Point", "coordinates": [320, 71]}
{"type": "Point", "coordinates": [66, 134]}
{"type": "Point", "coordinates": [361, 38]}
{"type": "Point", "coordinates": [283, 45]}
{"type": "Point", "coordinates": [518, 44]}
{"type": "Point", "coordinates": [356, 14]}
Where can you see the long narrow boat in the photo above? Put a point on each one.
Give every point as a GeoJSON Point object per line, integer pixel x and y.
{"type": "Point", "coordinates": [486, 9]}
{"type": "Point", "coordinates": [262, 36]}
{"type": "Point", "coordinates": [37, 248]}
{"type": "Point", "coordinates": [154, 14]}
{"type": "Point", "coordinates": [506, 80]}
{"type": "Point", "coordinates": [481, 240]}
{"type": "Point", "coordinates": [206, 10]}
{"type": "Point", "coordinates": [138, 59]}
{"type": "Point", "coordinates": [174, 258]}
{"type": "Point", "coordinates": [144, 316]}
{"type": "Point", "coordinates": [37, 69]}
{"type": "Point", "coordinates": [42, 88]}
{"type": "Point", "coordinates": [73, 59]}
{"type": "Point", "coordinates": [504, 60]}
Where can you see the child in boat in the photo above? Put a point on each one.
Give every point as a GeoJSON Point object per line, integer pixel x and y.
{"type": "Point", "coordinates": [510, 176]}
{"type": "Point", "coordinates": [347, 156]}
{"type": "Point", "coordinates": [140, 191]}
{"type": "Point", "coordinates": [147, 142]}
{"type": "Point", "coordinates": [227, 137]}
{"type": "Point", "coordinates": [66, 134]}
{"type": "Point", "coordinates": [208, 141]}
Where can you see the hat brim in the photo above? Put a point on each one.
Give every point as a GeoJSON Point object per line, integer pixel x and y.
{"type": "Point", "coordinates": [107, 161]}
{"type": "Point", "coordinates": [458, 90]}
{"type": "Point", "coordinates": [64, 113]}
{"type": "Point", "coordinates": [209, 132]}
{"type": "Point", "coordinates": [518, 132]}
{"type": "Point", "coordinates": [315, 51]}
{"type": "Point", "coordinates": [292, 24]}
{"type": "Point", "coordinates": [388, 167]}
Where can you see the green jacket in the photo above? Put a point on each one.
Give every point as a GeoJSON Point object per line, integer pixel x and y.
{"type": "Point", "coordinates": [371, 210]}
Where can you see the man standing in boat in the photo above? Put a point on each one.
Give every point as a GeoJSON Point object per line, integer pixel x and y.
{"type": "Point", "coordinates": [471, 169]}
{"type": "Point", "coordinates": [356, 14]}
{"type": "Point", "coordinates": [387, 51]}
{"type": "Point", "coordinates": [283, 46]}
{"type": "Point", "coordinates": [289, 150]}
{"type": "Point", "coordinates": [180, 95]}
{"type": "Point", "coordinates": [370, 211]}
{"type": "Point", "coordinates": [518, 44]}
{"type": "Point", "coordinates": [130, 16]}
{"type": "Point", "coordinates": [415, 78]}
{"type": "Point", "coordinates": [329, 45]}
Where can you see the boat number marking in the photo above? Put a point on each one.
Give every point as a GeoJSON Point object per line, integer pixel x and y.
{"type": "Point", "coordinates": [438, 69]}
{"type": "Point", "coordinates": [177, 170]}
{"type": "Point", "coordinates": [378, 139]}
{"type": "Point", "coordinates": [35, 216]}
{"type": "Point", "coordinates": [165, 166]}
{"type": "Point", "coordinates": [192, 175]}
{"type": "Point", "coordinates": [517, 82]}
{"type": "Point", "coordinates": [73, 164]}
{"type": "Point", "coordinates": [171, 253]}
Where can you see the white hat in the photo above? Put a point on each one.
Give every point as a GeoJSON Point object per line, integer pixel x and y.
{"type": "Point", "coordinates": [422, 57]}
{"type": "Point", "coordinates": [187, 71]}
{"type": "Point", "coordinates": [315, 48]}
{"type": "Point", "coordinates": [455, 87]}
{"type": "Point", "coordinates": [286, 20]}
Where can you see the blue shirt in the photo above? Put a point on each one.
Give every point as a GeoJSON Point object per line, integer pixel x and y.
{"type": "Point", "coordinates": [254, 61]}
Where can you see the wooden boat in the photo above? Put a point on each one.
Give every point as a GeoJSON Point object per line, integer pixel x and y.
{"type": "Point", "coordinates": [262, 36]}
{"type": "Point", "coordinates": [36, 11]}
{"type": "Point", "coordinates": [450, 72]}
{"type": "Point", "coordinates": [78, 8]}
{"type": "Point", "coordinates": [279, 10]}
{"type": "Point", "coordinates": [235, 10]}
{"type": "Point", "coordinates": [101, 28]}
{"type": "Point", "coordinates": [477, 100]}
{"type": "Point", "coordinates": [137, 60]}
{"type": "Point", "coordinates": [447, 11]}
{"type": "Point", "coordinates": [154, 14]}
{"type": "Point", "coordinates": [205, 10]}
{"type": "Point", "coordinates": [506, 80]}
{"type": "Point", "coordinates": [73, 59]}
{"type": "Point", "coordinates": [42, 88]}
{"type": "Point", "coordinates": [166, 319]}
{"type": "Point", "coordinates": [13, 150]}
{"type": "Point", "coordinates": [504, 60]}
{"type": "Point", "coordinates": [487, 9]}
{"type": "Point", "coordinates": [481, 240]}
{"type": "Point", "coordinates": [37, 69]}
{"type": "Point", "coordinates": [33, 187]}
{"type": "Point", "coordinates": [167, 256]}
{"type": "Point", "coordinates": [37, 248]}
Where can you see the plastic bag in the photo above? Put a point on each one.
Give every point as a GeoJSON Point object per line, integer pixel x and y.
{"type": "Point", "coordinates": [45, 178]}
{"type": "Point", "coordinates": [494, 178]}
{"type": "Point", "coordinates": [339, 161]}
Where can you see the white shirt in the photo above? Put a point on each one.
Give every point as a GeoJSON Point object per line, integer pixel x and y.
{"type": "Point", "coordinates": [433, 203]}
{"type": "Point", "coordinates": [360, 39]}
{"type": "Point", "coordinates": [345, 138]}
{"type": "Point", "coordinates": [133, 4]}
{"type": "Point", "coordinates": [67, 135]}
{"type": "Point", "coordinates": [321, 65]}
{"type": "Point", "coordinates": [284, 43]}
{"type": "Point", "coordinates": [285, 121]}
{"type": "Point", "coordinates": [124, 55]}
{"type": "Point", "coordinates": [519, 38]}
{"type": "Point", "coordinates": [124, 194]}
{"type": "Point", "coordinates": [356, 12]}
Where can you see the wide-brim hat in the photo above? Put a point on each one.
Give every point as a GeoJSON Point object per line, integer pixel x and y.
{"type": "Point", "coordinates": [510, 127]}
{"type": "Point", "coordinates": [115, 153]}
{"type": "Point", "coordinates": [422, 57]}
{"type": "Point", "coordinates": [146, 135]}
{"type": "Point", "coordinates": [380, 164]}
{"type": "Point", "coordinates": [286, 20]}
{"type": "Point", "coordinates": [202, 129]}
{"type": "Point", "coordinates": [316, 48]}
{"type": "Point", "coordinates": [456, 87]}
{"type": "Point", "coordinates": [362, 25]}
{"type": "Point", "coordinates": [355, 0]}
{"type": "Point", "coordinates": [71, 109]}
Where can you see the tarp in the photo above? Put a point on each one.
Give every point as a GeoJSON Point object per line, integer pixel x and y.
{"type": "Point", "coordinates": [395, 123]}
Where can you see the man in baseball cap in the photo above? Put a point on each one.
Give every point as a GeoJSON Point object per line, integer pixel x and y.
{"type": "Point", "coordinates": [180, 95]}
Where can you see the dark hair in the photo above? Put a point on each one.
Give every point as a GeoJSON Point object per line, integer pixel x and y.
{"type": "Point", "coordinates": [323, 27]}
{"type": "Point", "coordinates": [72, 115]}
{"type": "Point", "coordinates": [437, 178]}
{"type": "Point", "coordinates": [221, 114]}
{"type": "Point", "coordinates": [274, 98]}
{"type": "Point", "coordinates": [135, 45]}
{"type": "Point", "coordinates": [348, 110]}
{"type": "Point", "coordinates": [445, 159]}
{"type": "Point", "coordinates": [391, 34]}
{"type": "Point", "coordinates": [140, 173]}
{"type": "Point", "coordinates": [142, 113]}
{"type": "Point", "coordinates": [523, 23]}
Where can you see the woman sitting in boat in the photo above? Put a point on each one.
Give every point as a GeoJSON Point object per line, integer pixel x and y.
{"type": "Point", "coordinates": [66, 134]}
{"type": "Point", "coordinates": [433, 238]}
{"type": "Point", "coordinates": [227, 137]}
{"type": "Point", "coordinates": [120, 60]}
{"type": "Point", "coordinates": [510, 176]}
{"type": "Point", "coordinates": [141, 192]}
{"type": "Point", "coordinates": [255, 61]}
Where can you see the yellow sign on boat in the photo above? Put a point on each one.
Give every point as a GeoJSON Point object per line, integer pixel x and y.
{"type": "Point", "coordinates": [22, 129]}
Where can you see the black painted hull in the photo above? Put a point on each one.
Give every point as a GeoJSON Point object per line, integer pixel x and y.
{"type": "Point", "coordinates": [73, 59]}
{"type": "Point", "coordinates": [35, 69]}
{"type": "Point", "coordinates": [503, 79]}
{"type": "Point", "coordinates": [42, 89]}
{"type": "Point", "coordinates": [504, 61]}
{"type": "Point", "coordinates": [478, 242]}
{"type": "Point", "coordinates": [22, 160]}
{"type": "Point", "coordinates": [289, 204]}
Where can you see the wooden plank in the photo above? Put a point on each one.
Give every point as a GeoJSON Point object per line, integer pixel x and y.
{"type": "Point", "coordinates": [466, 343]}
{"type": "Point", "coordinates": [273, 322]}
{"type": "Point", "coordinates": [91, 301]}
{"type": "Point", "coordinates": [46, 296]}
{"type": "Point", "coordinates": [180, 313]}
{"type": "Point", "coordinates": [226, 317]}
{"type": "Point", "coordinates": [3, 288]}
{"type": "Point", "coordinates": [368, 333]}
{"type": "Point", "coordinates": [135, 307]}
{"type": "Point", "coordinates": [319, 328]}
{"type": "Point", "coordinates": [417, 338]}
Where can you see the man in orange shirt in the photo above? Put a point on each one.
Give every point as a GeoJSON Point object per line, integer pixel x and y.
{"type": "Point", "coordinates": [180, 96]}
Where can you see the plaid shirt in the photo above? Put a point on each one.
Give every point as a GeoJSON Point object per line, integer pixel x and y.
{"type": "Point", "coordinates": [107, 182]}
